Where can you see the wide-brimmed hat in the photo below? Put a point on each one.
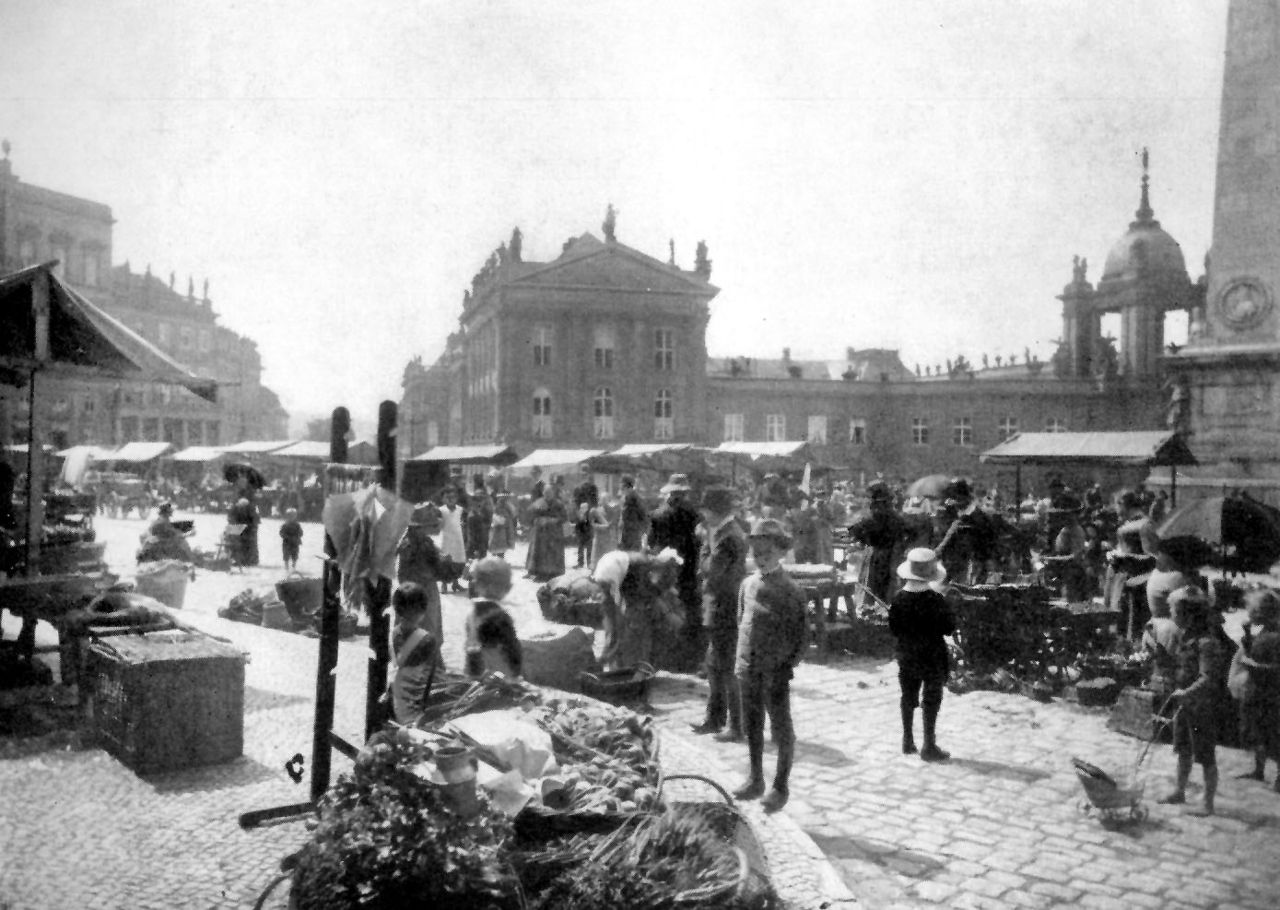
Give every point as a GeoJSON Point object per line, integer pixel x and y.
{"type": "Point", "coordinates": [878, 491]}
{"type": "Point", "coordinates": [922, 564]}
{"type": "Point", "coordinates": [772, 528]}
{"type": "Point", "coordinates": [718, 499]}
{"type": "Point", "coordinates": [675, 483]}
{"type": "Point", "coordinates": [958, 489]}
{"type": "Point", "coordinates": [425, 515]}
{"type": "Point", "coordinates": [165, 507]}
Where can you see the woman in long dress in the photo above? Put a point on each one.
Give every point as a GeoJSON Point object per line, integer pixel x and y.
{"type": "Point", "coordinates": [546, 538]}
{"type": "Point", "coordinates": [453, 547]}
{"type": "Point", "coordinates": [502, 532]}
{"type": "Point", "coordinates": [604, 538]}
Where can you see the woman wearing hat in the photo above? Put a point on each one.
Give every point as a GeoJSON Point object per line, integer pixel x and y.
{"type": "Point", "coordinates": [920, 618]}
{"type": "Point", "coordinates": [418, 562]}
{"type": "Point", "coordinates": [547, 517]}
{"type": "Point", "coordinates": [884, 531]}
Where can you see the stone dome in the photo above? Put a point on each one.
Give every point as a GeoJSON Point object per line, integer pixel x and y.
{"type": "Point", "coordinates": [1146, 246]}
{"type": "Point", "coordinates": [1146, 243]}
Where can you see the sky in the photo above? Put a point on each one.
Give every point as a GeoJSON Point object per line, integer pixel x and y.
{"type": "Point", "coordinates": [912, 174]}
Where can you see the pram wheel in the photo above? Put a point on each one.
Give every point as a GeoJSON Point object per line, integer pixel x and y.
{"type": "Point", "coordinates": [1138, 812]}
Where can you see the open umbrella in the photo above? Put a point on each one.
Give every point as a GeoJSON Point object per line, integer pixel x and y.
{"type": "Point", "coordinates": [1245, 533]}
{"type": "Point", "coordinates": [933, 486]}
{"type": "Point", "coordinates": [234, 471]}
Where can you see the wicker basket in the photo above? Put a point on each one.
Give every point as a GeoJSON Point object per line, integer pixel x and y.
{"type": "Point", "coordinates": [301, 595]}
{"type": "Point", "coordinates": [618, 687]}
{"type": "Point", "coordinates": [166, 581]}
{"type": "Point", "coordinates": [167, 700]}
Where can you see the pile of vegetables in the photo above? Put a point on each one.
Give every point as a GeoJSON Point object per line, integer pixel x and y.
{"type": "Point", "coordinates": [677, 859]}
{"type": "Point", "coordinates": [386, 840]}
{"type": "Point", "coordinates": [607, 758]}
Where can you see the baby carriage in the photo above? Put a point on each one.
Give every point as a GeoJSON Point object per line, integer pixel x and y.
{"type": "Point", "coordinates": [1117, 801]}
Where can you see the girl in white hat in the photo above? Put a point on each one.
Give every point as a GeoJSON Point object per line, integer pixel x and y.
{"type": "Point", "coordinates": [920, 617]}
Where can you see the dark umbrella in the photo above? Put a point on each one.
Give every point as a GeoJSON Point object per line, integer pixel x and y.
{"type": "Point", "coordinates": [1245, 533]}
{"type": "Point", "coordinates": [234, 471]}
{"type": "Point", "coordinates": [932, 487]}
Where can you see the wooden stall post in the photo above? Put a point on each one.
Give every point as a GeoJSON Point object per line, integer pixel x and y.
{"type": "Point", "coordinates": [330, 617]}
{"type": "Point", "coordinates": [379, 594]}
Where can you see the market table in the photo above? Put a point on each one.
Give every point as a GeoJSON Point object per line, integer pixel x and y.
{"type": "Point", "coordinates": [822, 599]}
{"type": "Point", "coordinates": [47, 597]}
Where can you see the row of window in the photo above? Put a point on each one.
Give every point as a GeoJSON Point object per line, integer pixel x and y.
{"type": "Point", "coordinates": [604, 343]}
{"type": "Point", "coordinates": [602, 414]}
{"type": "Point", "coordinates": [775, 429]}
{"type": "Point", "coordinates": [89, 260]}
{"type": "Point", "coordinates": [172, 430]}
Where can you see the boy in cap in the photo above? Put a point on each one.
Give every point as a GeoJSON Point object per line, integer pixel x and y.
{"type": "Point", "coordinates": [919, 618]}
{"type": "Point", "coordinates": [723, 566]}
{"type": "Point", "coordinates": [290, 539]}
{"type": "Point", "coordinates": [771, 641]}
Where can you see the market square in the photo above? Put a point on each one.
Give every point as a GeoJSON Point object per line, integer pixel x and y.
{"type": "Point", "coordinates": [332, 590]}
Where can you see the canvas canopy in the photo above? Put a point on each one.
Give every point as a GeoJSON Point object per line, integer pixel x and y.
{"type": "Point", "coordinates": [758, 450]}
{"type": "Point", "coordinates": [138, 451]}
{"type": "Point", "coordinates": [672, 457]}
{"type": "Point", "coordinates": [495, 455]}
{"type": "Point", "coordinates": [1135, 448]}
{"type": "Point", "coordinates": [256, 447]}
{"type": "Point", "coordinates": [551, 458]}
{"type": "Point", "coordinates": [309, 449]}
{"type": "Point", "coordinates": [197, 454]}
{"type": "Point", "coordinates": [78, 337]}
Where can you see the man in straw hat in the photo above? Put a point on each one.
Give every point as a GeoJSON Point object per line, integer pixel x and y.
{"type": "Point", "coordinates": [919, 618]}
{"type": "Point", "coordinates": [771, 641]}
{"type": "Point", "coordinates": [723, 566]}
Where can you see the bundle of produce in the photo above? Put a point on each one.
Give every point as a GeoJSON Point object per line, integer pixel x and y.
{"type": "Point", "coordinates": [999, 624]}
{"type": "Point", "coordinates": [677, 859]}
{"type": "Point", "coordinates": [454, 695]}
{"type": "Point", "coordinates": [386, 839]}
{"type": "Point", "coordinates": [61, 535]}
{"type": "Point", "coordinates": [572, 599]}
{"type": "Point", "coordinates": [608, 772]}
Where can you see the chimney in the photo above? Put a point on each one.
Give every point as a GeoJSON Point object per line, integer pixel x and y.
{"type": "Point", "coordinates": [786, 355]}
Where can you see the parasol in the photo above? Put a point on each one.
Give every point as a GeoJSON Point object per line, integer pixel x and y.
{"type": "Point", "coordinates": [934, 486]}
{"type": "Point", "coordinates": [234, 471]}
{"type": "Point", "coordinates": [1246, 533]}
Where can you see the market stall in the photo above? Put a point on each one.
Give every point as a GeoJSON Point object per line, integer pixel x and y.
{"type": "Point", "coordinates": [1115, 452]}
{"type": "Point", "coordinates": [423, 475]}
{"type": "Point", "coordinates": [47, 330]}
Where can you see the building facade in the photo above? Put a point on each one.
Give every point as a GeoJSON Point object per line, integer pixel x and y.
{"type": "Point", "coordinates": [600, 346]}
{"type": "Point", "coordinates": [39, 225]}
{"type": "Point", "coordinates": [606, 346]}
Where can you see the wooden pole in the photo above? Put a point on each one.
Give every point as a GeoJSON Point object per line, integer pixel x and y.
{"type": "Point", "coordinates": [1173, 486]}
{"type": "Point", "coordinates": [330, 618]}
{"type": "Point", "coordinates": [379, 594]}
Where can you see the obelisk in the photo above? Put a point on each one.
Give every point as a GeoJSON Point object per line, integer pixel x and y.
{"type": "Point", "coordinates": [1228, 373]}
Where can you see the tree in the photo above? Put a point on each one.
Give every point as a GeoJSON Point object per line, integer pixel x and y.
{"type": "Point", "coordinates": [318, 429]}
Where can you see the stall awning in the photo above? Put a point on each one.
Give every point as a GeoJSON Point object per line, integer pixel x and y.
{"type": "Point", "coordinates": [1136, 448]}
{"type": "Point", "coordinates": [255, 447]}
{"type": "Point", "coordinates": [81, 337]}
{"type": "Point", "coordinates": [198, 454]}
{"type": "Point", "coordinates": [138, 451]}
{"type": "Point", "coordinates": [495, 455]}
{"type": "Point", "coordinates": [548, 458]}
{"type": "Point", "coordinates": [657, 456]}
{"type": "Point", "coordinates": [756, 450]}
{"type": "Point", "coordinates": [97, 453]}
{"type": "Point", "coordinates": [310, 449]}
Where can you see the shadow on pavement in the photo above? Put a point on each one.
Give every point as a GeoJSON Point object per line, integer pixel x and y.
{"type": "Point", "coordinates": [820, 754]}
{"type": "Point", "coordinates": [1021, 773]}
{"type": "Point", "coordinates": [239, 773]}
{"type": "Point", "coordinates": [1250, 818]}
{"type": "Point", "coordinates": [901, 860]}
{"type": "Point", "coordinates": [266, 700]}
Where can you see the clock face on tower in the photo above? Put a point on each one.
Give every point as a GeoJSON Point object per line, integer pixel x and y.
{"type": "Point", "coordinates": [1244, 303]}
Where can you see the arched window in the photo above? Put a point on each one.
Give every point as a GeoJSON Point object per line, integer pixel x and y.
{"type": "Point", "coordinates": [663, 419]}
{"type": "Point", "coordinates": [604, 345]}
{"type": "Point", "coordinates": [542, 413]}
{"type": "Point", "coordinates": [602, 413]}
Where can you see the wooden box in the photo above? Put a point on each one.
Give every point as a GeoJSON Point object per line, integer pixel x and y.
{"type": "Point", "coordinates": [1134, 713]}
{"type": "Point", "coordinates": [167, 700]}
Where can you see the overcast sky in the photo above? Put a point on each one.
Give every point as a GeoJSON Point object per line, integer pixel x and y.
{"type": "Point", "coordinates": [913, 174]}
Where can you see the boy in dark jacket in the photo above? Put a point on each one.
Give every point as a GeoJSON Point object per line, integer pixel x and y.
{"type": "Point", "coordinates": [920, 617]}
{"type": "Point", "coordinates": [290, 539]}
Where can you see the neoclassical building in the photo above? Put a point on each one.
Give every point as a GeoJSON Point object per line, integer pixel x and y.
{"type": "Point", "coordinates": [39, 225]}
{"type": "Point", "coordinates": [605, 345]}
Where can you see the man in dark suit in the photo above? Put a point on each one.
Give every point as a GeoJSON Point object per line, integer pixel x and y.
{"type": "Point", "coordinates": [588, 495]}
{"type": "Point", "coordinates": [723, 567]}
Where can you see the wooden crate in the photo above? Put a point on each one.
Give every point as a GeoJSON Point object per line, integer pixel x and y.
{"type": "Point", "coordinates": [167, 700]}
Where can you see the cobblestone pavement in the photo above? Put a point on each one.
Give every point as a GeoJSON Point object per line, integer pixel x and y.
{"type": "Point", "coordinates": [996, 827]}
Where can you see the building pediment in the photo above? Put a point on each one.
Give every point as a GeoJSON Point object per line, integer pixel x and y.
{"type": "Point", "coordinates": [616, 267]}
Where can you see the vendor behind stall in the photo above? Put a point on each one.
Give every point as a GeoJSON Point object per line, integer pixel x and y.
{"type": "Point", "coordinates": [163, 540]}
